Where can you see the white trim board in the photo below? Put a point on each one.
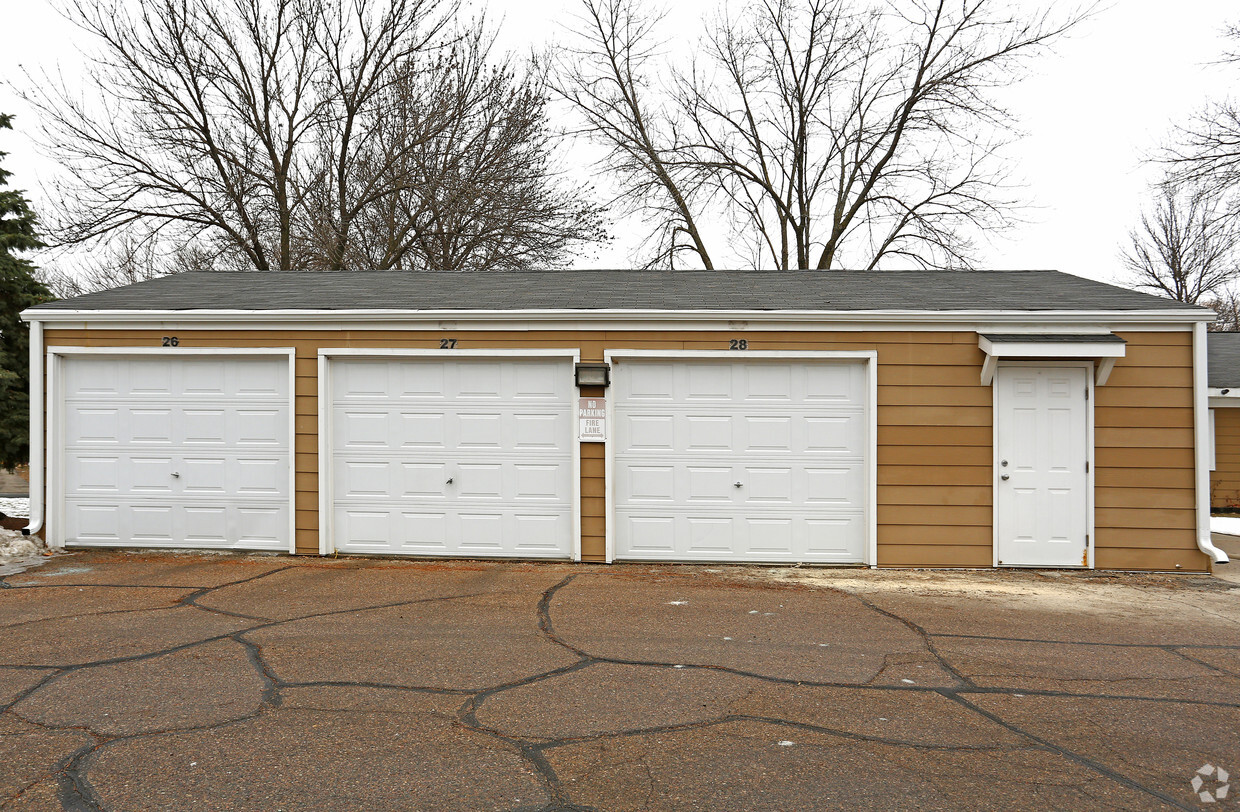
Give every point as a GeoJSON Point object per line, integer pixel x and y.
{"type": "Point", "coordinates": [326, 525]}
{"type": "Point", "coordinates": [55, 507]}
{"type": "Point", "coordinates": [868, 357]}
{"type": "Point", "coordinates": [980, 320]}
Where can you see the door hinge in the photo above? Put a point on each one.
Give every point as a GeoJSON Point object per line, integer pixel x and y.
{"type": "Point", "coordinates": [1087, 466]}
{"type": "Point", "coordinates": [1087, 393]}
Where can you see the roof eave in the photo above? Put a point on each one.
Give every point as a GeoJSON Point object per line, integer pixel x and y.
{"type": "Point", "coordinates": [54, 315]}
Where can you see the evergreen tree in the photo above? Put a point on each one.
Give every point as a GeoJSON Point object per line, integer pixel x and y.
{"type": "Point", "coordinates": [19, 289]}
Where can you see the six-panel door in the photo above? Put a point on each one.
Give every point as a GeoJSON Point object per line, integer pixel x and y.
{"type": "Point", "coordinates": [1043, 451]}
{"type": "Point", "coordinates": [188, 451]}
{"type": "Point", "coordinates": [753, 460]}
{"type": "Point", "coordinates": [468, 457]}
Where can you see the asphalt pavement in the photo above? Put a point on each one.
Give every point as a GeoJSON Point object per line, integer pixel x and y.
{"type": "Point", "coordinates": [142, 681]}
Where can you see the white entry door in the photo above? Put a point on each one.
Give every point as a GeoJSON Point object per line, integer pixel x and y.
{"type": "Point", "coordinates": [741, 460]}
{"type": "Point", "coordinates": [1043, 453]}
{"type": "Point", "coordinates": [468, 457]}
{"type": "Point", "coordinates": [184, 451]}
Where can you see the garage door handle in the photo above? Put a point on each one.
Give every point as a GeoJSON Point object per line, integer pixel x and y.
{"type": "Point", "coordinates": [175, 474]}
{"type": "Point", "coordinates": [449, 480]}
{"type": "Point", "coordinates": [739, 485]}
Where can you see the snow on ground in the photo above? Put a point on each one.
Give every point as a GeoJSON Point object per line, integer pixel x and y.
{"type": "Point", "coordinates": [18, 553]}
{"type": "Point", "coordinates": [15, 507]}
{"type": "Point", "coordinates": [1225, 524]}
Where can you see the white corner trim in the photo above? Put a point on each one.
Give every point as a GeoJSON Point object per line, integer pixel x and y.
{"type": "Point", "coordinates": [36, 430]}
{"type": "Point", "coordinates": [1201, 443]}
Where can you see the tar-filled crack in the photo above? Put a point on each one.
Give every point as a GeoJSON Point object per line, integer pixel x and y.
{"type": "Point", "coordinates": [271, 683]}
{"type": "Point", "coordinates": [1071, 755]}
{"type": "Point", "coordinates": [960, 678]}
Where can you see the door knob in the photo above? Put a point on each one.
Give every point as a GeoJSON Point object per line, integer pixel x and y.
{"type": "Point", "coordinates": [1004, 477]}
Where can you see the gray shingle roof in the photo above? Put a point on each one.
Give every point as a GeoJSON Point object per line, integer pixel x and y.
{"type": "Point", "coordinates": [624, 290]}
{"type": "Point", "coordinates": [1223, 360]}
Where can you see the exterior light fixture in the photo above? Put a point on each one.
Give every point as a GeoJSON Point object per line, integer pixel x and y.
{"type": "Point", "coordinates": [593, 375]}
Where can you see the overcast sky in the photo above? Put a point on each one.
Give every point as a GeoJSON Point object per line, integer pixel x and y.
{"type": "Point", "coordinates": [1092, 111]}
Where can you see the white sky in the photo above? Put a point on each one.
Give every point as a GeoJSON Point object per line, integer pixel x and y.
{"type": "Point", "coordinates": [1092, 111]}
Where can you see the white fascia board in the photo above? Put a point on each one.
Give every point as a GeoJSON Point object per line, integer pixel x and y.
{"type": "Point", "coordinates": [980, 320]}
{"type": "Point", "coordinates": [1044, 349]}
{"type": "Point", "coordinates": [1225, 398]}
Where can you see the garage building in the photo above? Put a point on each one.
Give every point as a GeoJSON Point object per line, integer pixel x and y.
{"type": "Point", "coordinates": [896, 418]}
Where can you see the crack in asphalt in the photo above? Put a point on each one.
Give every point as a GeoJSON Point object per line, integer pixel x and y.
{"type": "Point", "coordinates": [1002, 639]}
{"type": "Point", "coordinates": [76, 792]}
{"type": "Point", "coordinates": [1088, 763]}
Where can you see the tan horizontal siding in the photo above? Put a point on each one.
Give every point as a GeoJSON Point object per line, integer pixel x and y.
{"type": "Point", "coordinates": [922, 555]}
{"type": "Point", "coordinates": [1225, 478]}
{"type": "Point", "coordinates": [934, 437]}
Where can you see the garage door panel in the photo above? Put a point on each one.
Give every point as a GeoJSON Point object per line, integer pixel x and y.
{"type": "Point", "coordinates": [480, 481]}
{"type": "Point", "coordinates": [421, 479]}
{"type": "Point", "coordinates": [836, 539]}
{"type": "Point", "coordinates": [500, 430]}
{"type": "Point", "coordinates": [479, 431]}
{"type": "Point", "coordinates": [775, 453]}
{"type": "Point", "coordinates": [196, 452]}
{"type": "Point", "coordinates": [842, 434]}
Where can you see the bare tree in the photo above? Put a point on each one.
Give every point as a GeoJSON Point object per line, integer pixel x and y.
{"type": "Point", "coordinates": [477, 189]}
{"type": "Point", "coordinates": [1187, 247]}
{"type": "Point", "coordinates": [826, 133]}
{"type": "Point", "coordinates": [1226, 304]}
{"type": "Point", "coordinates": [1206, 152]}
{"type": "Point", "coordinates": [123, 260]}
{"type": "Point", "coordinates": [260, 132]}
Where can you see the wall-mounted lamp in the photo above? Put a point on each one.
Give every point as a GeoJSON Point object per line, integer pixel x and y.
{"type": "Point", "coordinates": [593, 375]}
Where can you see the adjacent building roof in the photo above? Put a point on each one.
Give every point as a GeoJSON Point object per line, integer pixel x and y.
{"type": "Point", "coordinates": [826, 291]}
{"type": "Point", "coordinates": [1223, 360]}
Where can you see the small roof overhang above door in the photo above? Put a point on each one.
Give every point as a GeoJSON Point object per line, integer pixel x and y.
{"type": "Point", "coordinates": [1101, 347]}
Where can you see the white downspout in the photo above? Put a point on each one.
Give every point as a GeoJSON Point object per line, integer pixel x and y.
{"type": "Point", "coordinates": [36, 429]}
{"type": "Point", "coordinates": [1201, 441]}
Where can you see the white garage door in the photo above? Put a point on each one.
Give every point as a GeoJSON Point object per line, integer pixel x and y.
{"type": "Point", "coordinates": [756, 460]}
{"type": "Point", "coordinates": [469, 457]}
{"type": "Point", "coordinates": [190, 451]}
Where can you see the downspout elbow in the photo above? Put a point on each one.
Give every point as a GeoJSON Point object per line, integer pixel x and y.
{"type": "Point", "coordinates": [1206, 545]}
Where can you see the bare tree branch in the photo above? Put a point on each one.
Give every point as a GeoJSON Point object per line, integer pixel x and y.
{"type": "Point", "coordinates": [1187, 247]}
{"type": "Point", "coordinates": [832, 132]}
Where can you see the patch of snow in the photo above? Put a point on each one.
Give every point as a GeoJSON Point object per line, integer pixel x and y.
{"type": "Point", "coordinates": [786, 743]}
{"type": "Point", "coordinates": [676, 603]}
{"type": "Point", "coordinates": [16, 507]}
{"type": "Point", "coordinates": [1229, 525]}
{"type": "Point", "coordinates": [18, 553]}
{"type": "Point", "coordinates": [909, 681]}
